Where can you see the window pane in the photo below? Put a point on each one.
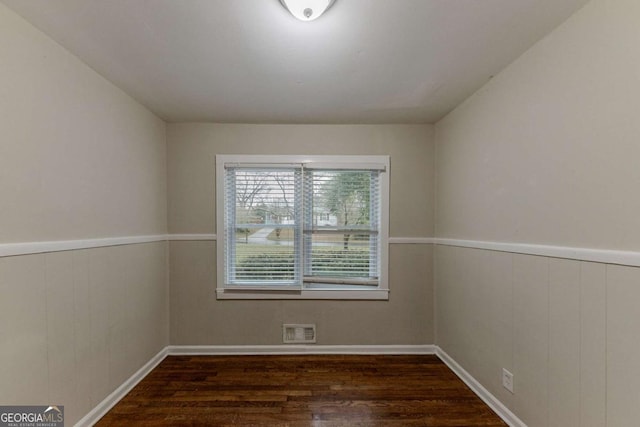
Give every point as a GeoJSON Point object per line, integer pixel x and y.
{"type": "Point", "coordinates": [262, 206]}
{"type": "Point", "coordinates": [341, 199]}
{"type": "Point", "coordinates": [265, 197]}
{"type": "Point", "coordinates": [341, 226]}
{"type": "Point", "coordinates": [264, 254]}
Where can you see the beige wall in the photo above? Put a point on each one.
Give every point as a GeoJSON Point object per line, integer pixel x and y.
{"type": "Point", "coordinates": [547, 153]}
{"type": "Point", "coordinates": [198, 318]}
{"type": "Point", "coordinates": [78, 159]}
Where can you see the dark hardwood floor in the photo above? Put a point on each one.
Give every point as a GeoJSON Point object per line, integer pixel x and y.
{"type": "Point", "coordinates": [333, 390]}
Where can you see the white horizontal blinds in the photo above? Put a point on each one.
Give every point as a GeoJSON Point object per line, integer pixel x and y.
{"type": "Point", "coordinates": [341, 226]}
{"type": "Point", "coordinates": [262, 216]}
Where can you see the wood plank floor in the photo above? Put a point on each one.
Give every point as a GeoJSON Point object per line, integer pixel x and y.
{"type": "Point", "coordinates": [333, 390]}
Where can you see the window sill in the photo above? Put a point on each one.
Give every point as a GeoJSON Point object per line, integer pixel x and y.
{"type": "Point", "coordinates": [305, 294]}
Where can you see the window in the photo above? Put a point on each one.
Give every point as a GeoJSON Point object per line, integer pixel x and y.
{"type": "Point", "coordinates": [302, 227]}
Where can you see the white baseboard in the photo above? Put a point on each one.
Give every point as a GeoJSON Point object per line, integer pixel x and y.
{"type": "Point", "coordinates": [192, 350]}
{"type": "Point", "coordinates": [484, 394]}
{"type": "Point", "coordinates": [110, 401]}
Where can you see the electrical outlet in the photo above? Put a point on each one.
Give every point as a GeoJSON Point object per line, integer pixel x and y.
{"type": "Point", "coordinates": [507, 380]}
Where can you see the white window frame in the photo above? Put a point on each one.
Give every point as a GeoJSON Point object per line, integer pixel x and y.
{"type": "Point", "coordinates": [381, 292]}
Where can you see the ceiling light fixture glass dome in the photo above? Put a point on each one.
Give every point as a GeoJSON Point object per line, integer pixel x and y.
{"type": "Point", "coordinates": [307, 10]}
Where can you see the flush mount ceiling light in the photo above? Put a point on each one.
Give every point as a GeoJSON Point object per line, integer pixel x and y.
{"type": "Point", "coordinates": [307, 10]}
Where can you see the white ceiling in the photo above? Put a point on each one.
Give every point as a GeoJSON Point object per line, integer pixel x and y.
{"type": "Point", "coordinates": [250, 61]}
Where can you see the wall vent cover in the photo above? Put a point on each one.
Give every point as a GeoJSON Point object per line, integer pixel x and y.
{"type": "Point", "coordinates": [298, 334]}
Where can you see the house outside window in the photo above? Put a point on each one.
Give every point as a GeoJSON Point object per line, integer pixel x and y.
{"type": "Point", "coordinates": [302, 227]}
